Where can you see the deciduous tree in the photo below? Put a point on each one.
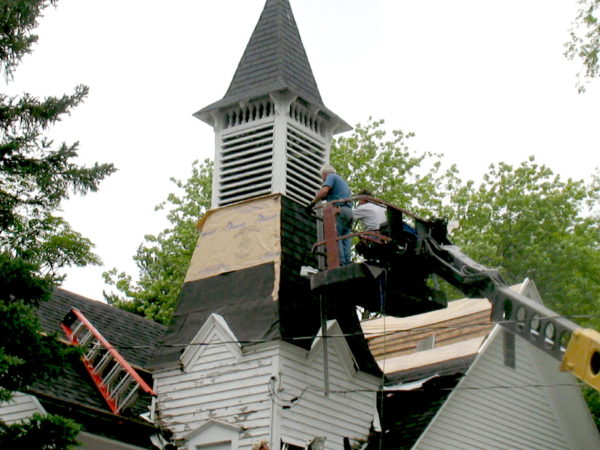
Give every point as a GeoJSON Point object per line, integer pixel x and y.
{"type": "Point", "coordinates": [584, 43]}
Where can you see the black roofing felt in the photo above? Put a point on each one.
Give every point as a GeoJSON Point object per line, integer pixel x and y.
{"type": "Point", "coordinates": [274, 60]}
{"type": "Point", "coordinates": [133, 336]}
{"type": "Point", "coordinates": [244, 299]}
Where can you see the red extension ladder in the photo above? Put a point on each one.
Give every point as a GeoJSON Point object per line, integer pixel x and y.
{"type": "Point", "coordinates": [116, 380]}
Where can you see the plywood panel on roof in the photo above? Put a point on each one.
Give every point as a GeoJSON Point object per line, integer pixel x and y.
{"type": "Point", "coordinates": [457, 331]}
{"type": "Point", "coordinates": [429, 357]}
{"type": "Point", "coordinates": [455, 309]}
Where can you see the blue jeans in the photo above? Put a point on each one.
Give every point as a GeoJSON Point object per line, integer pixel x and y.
{"type": "Point", "coordinates": [343, 222]}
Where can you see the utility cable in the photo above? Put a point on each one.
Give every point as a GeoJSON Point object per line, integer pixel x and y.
{"type": "Point", "coordinates": [367, 335]}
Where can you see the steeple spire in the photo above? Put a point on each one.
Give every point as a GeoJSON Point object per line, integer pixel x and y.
{"type": "Point", "coordinates": [273, 131]}
{"type": "Point", "coordinates": [274, 59]}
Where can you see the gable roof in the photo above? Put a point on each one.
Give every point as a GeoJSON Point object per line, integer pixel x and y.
{"type": "Point", "coordinates": [504, 394]}
{"type": "Point", "coordinates": [456, 332]}
{"type": "Point", "coordinates": [274, 60]}
{"type": "Point", "coordinates": [135, 337]}
{"type": "Point", "coordinates": [495, 405]}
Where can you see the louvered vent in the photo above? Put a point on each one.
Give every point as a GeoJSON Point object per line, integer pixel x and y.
{"type": "Point", "coordinates": [305, 154]}
{"type": "Point", "coordinates": [246, 162]}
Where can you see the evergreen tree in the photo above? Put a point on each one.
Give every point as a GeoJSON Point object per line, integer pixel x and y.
{"type": "Point", "coordinates": [35, 174]}
{"type": "Point", "coordinates": [35, 243]}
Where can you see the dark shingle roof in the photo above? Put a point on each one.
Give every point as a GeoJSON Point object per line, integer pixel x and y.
{"type": "Point", "coordinates": [134, 337]}
{"type": "Point", "coordinates": [406, 414]}
{"type": "Point", "coordinates": [275, 54]}
{"type": "Point", "coordinates": [274, 60]}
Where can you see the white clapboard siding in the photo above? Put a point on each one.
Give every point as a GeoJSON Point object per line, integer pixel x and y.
{"type": "Point", "coordinates": [219, 382]}
{"type": "Point", "coordinates": [19, 408]}
{"type": "Point", "coordinates": [497, 406]}
{"type": "Point", "coordinates": [348, 410]}
{"type": "Point", "coordinates": [533, 405]}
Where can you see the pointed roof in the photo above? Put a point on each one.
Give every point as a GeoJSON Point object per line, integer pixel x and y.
{"type": "Point", "coordinates": [274, 60]}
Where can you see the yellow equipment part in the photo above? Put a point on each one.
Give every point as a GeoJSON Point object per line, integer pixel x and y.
{"type": "Point", "coordinates": [582, 357]}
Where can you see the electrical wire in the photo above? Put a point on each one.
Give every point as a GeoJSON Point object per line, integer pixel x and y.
{"type": "Point", "coordinates": [368, 335]}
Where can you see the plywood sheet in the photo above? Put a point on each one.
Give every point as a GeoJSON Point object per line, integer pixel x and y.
{"type": "Point", "coordinates": [237, 237]}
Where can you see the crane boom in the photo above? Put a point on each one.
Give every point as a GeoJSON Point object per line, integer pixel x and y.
{"type": "Point", "coordinates": [425, 250]}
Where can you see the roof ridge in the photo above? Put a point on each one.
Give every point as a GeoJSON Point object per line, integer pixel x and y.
{"type": "Point", "coordinates": [101, 304]}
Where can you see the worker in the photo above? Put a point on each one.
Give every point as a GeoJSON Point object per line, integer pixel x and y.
{"type": "Point", "coordinates": [370, 214]}
{"type": "Point", "coordinates": [335, 188]}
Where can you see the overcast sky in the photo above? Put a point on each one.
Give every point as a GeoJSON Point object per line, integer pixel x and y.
{"type": "Point", "coordinates": [479, 81]}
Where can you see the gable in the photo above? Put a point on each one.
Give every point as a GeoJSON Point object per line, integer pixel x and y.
{"type": "Point", "coordinates": [495, 405]}
{"type": "Point", "coordinates": [215, 331]}
{"type": "Point", "coordinates": [338, 349]}
{"type": "Point", "coordinates": [214, 435]}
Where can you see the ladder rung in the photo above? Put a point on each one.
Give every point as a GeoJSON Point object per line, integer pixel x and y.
{"type": "Point", "coordinates": [112, 374]}
{"type": "Point", "coordinates": [121, 384]}
{"type": "Point", "coordinates": [106, 359]}
{"type": "Point", "coordinates": [86, 339]}
{"type": "Point", "coordinates": [93, 352]}
{"type": "Point", "coordinates": [130, 398]}
{"type": "Point", "coordinates": [78, 329]}
{"type": "Point", "coordinates": [122, 387]}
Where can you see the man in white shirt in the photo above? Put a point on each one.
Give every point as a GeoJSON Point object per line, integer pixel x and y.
{"type": "Point", "coordinates": [370, 214]}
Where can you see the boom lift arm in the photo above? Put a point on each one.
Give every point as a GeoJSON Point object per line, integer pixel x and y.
{"type": "Point", "coordinates": [426, 249]}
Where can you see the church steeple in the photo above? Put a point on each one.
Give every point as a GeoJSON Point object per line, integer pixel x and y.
{"type": "Point", "coordinates": [273, 130]}
{"type": "Point", "coordinates": [244, 333]}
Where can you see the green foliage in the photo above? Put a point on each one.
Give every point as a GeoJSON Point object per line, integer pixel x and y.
{"type": "Point", "coordinates": [18, 18]}
{"type": "Point", "coordinates": [49, 432]}
{"type": "Point", "coordinates": [369, 159]}
{"type": "Point", "coordinates": [25, 353]}
{"type": "Point", "coordinates": [592, 397]}
{"type": "Point", "coordinates": [527, 222]}
{"type": "Point", "coordinates": [584, 43]}
{"type": "Point", "coordinates": [35, 176]}
{"type": "Point", "coordinates": [17, 280]}
{"type": "Point", "coordinates": [163, 259]}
